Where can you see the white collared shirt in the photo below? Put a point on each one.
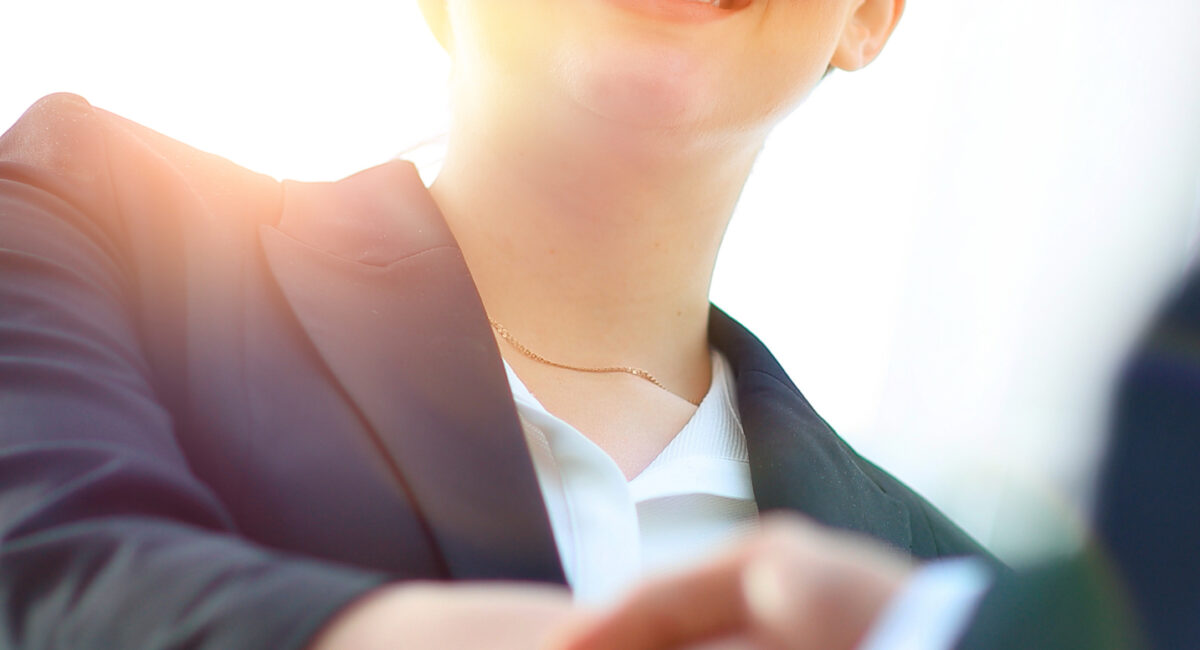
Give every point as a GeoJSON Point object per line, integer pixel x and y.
{"type": "Point", "coordinates": [693, 498]}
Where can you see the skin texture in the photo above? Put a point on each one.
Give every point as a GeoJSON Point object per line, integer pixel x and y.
{"type": "Point", "coordinates": [796, 586]}
{"type": "Point", "coordinates": [594, 160]}
{"type": "Point", "coordinates": [429, 615]}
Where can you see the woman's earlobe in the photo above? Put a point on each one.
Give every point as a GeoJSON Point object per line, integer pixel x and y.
{"type": "Point", "coordinates": [866, 32]}
{"type": "Point", "coordinates": [437, 18]}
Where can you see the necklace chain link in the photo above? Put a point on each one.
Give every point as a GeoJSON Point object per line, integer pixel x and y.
{"type": "Point", "coordinates": [503, 332]}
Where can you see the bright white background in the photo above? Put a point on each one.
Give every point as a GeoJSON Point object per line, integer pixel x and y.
{"type": "Point", "coordinates": [948, 251]}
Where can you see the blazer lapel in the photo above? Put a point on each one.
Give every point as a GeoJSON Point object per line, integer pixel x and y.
{"type": "Point", "coordinates": [797, 462]}
{"type": "Point", "coordinates": [376, 280]}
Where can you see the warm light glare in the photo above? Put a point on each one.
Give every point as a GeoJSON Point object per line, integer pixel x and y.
{"type": "Point", "coordinates": [948, 250]}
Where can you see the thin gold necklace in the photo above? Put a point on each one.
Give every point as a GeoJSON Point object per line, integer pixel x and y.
{"type": "Point", "coordinates": [503, 332]}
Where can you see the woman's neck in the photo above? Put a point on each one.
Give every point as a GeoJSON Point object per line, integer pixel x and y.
{"type": "Point", "coordinates": [593, 246]}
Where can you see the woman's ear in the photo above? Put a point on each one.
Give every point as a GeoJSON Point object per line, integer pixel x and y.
{"type": "Point", "coordinates": [865, 33]}
{"type": "Point", "coordinates": [437, 18]}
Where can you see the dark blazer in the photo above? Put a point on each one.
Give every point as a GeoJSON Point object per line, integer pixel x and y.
{"type": "Point", "coordinates": [1144, 571]}
{"type": "Point", "coordinates": [229, 405]}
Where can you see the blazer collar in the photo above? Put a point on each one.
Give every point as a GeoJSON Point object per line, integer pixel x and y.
{"type": "Point", "coordinates": [797, 462]}
{"type": "Point", "coordinates": [375, 278]}
{"type": "Point", "coordinates": [378, 283]}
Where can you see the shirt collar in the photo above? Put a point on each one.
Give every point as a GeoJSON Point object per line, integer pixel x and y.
{"type": "Point", "coordinates": [708, 456]}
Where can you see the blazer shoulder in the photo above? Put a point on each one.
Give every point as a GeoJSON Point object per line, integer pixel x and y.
{"type": "Point", "coordinates": [60, 143]}
{"type": "Point", "coordinates": [96, 159]}
{"type": "Point", "coordinates": [53, 125]}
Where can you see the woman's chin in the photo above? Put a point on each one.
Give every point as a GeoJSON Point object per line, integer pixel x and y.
{"type": "Point", "coordinates": [646, 87]}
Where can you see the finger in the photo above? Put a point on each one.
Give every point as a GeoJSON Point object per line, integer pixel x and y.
{"type": "Point", "coordinates": [704, 604]}
{"type": "Point", "coordinates": [770, 603]}
{"type": "Point", "coordinates": [817, 588]}
{"type": "Point", "coordinates": [728, 643]}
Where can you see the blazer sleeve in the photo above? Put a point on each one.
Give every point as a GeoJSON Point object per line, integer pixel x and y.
{"type": "Point", "coordinates": [1145, 568]}
{"type": "Point", "coordinates": [107, 540]}
{"type": "Point", "coordinates": [1075, 603]}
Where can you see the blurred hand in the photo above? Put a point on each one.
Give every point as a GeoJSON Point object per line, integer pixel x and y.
{"type": "Point", "coordinates": [450, 616]}
{"type": "Point", "coordinates": [794, 585]}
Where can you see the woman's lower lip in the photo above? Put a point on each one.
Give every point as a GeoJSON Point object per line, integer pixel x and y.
{"type": "Point", "coordinates": [689, 11]}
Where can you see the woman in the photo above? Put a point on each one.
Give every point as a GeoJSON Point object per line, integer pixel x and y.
{"type": "Point", "coordinates": [245, 414]}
